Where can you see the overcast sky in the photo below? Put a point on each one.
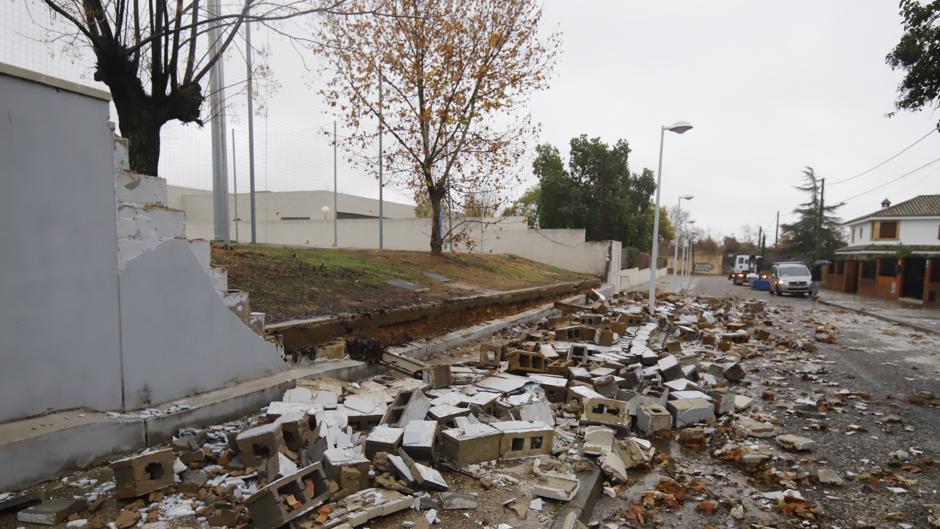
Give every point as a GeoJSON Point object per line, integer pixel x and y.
{"type": "Point", "coordinates": [769, 87]}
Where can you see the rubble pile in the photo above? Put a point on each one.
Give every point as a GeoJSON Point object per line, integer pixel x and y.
{"type": "Point", "coordinates": [600, 389]}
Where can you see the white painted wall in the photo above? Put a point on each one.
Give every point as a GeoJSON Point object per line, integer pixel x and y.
{"type": "Point", "coordinates": [59, 334]}
{"type": "Point", "coordinates": [635, 278]}
{"type": "Point", "coordinates": [910, 231]}
{"type": "Point", "coordinates": [563, 248]}
{"type": "Point", "coordinates": [272, 206]}
{"type": "Point", "coordinates": [104, 305]}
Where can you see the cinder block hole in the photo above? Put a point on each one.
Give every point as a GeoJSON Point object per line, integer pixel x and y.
{"type": "Point", "coordinates": [294, 489]}
{"type": "Point", "coordinates": [535, 443]}
{"type": "Point", "coordinates": [537, 363]}
{"type": "Point", "coordinates": [395, 415]}
{"type": "Point", "coordinates": [260, 450]}
{"type": "Point", "coordinates": [288, 436]}
{"type": "Point", "coordinates": [523, 361]}
{"type": "Point", "coordinates": [518, 443]}
{"type": "Point", "coordinates": [155, 471]}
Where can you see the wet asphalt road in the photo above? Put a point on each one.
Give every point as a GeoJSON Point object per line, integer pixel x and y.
{"type": "Point", "coordinates": [880, 364]}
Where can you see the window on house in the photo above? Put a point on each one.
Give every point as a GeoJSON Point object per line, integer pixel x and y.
{"type": "Point", "coordinates": [853, 234]}
{"type": "Point", "coordinates": [887, 229]}
{"type": "Point", "coordinates": [869, 269]}
{"type": "Point", "coordinates": [889, 267]}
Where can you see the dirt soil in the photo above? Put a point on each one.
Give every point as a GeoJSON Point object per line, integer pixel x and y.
{"type": "Point", "coordinates": [295, 283]}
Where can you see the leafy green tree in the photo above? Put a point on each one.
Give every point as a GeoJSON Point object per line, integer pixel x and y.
{"type": "Point", "coordinates": [816, 232]}
{"type": "Point", "coordinates": [561, 200]}
{"type": "Point", "coordinates": [526, 206]}
{"type": "Point", "coordinates": [918, 54]}
{"type": "Point", "coordinates": [597, 192]}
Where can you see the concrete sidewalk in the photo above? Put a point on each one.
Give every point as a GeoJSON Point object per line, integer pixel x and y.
{"type": "Point", "coordinates": [925, 318]}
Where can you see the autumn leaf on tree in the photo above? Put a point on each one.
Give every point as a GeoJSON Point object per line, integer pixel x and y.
{"type": "Point", "coordinates": [455, 78]}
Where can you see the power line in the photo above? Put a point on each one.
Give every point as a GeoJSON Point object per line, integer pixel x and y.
{"type": "Point", "coordinates": [879, 186]}
{"type": "Point", "coordinates": [904, 150]}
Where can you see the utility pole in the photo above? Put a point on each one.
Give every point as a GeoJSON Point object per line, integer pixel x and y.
{"type": "Point", "coordinates": [219, 158]}
{"type": "Point", "coordinates": [335, 210]}
{"type": "Point", "coordinates": [381, 182]}
{"type": "Point", "coordinates": [777, 230]}
{"type": "Point", "coordinates": [235, 184]}
{"type": "Point", "coordinates": [251, 134]}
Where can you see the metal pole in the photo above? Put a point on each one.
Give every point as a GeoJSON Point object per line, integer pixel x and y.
{"type": "Point", "coordinates": [655, 253]}
{"type": "Point", "coordinates": [381, 183]}
{"type": "Point", "coordinates": [219, 158]}
{"type": "Point", "coordinates": [683, 257]}
{"type": "Point", "coordinates": [777, 230]}
{"type": "Point", "coordinates": [235, 184]}
{"type": "Point", "coordinates": [251, 134]}
{"type": "Point", "coordinates": [675, 257]}
{"type": "Point", "coordinates": [335, 207]}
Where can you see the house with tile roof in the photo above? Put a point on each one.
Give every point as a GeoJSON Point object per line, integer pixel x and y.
{"type": "Point", "coordinates": [892, 253]}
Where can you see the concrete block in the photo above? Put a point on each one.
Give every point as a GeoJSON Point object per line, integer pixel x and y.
{"type": "Point", "coordinates": [724, 401]}
{"type": "Point", "coordinates": [635, 451]}
{"type": "Point", "coordinates": [691, 411]}
{"type": "Point", "coordinates": [598, 440]}
{"type": "Point", "coordinates": [437, 376]}
{"type": "Point", "coordinates": [410, 405]}
{"type": "Point", "coordinates": [295, 429]}
{"type": "Point", "coordinates": [445, 414]}
{"type": "Point", "coordinates": [524, 439]}
{"type": "Point", "coordinates": [606, 411]}
{"type": "Point", "coordinates": [652, 418]}
{"type": "Point", "coordinates": [51, 512]}
{"type": "Point", "coordinates": [613, 466]}
{"type": "Point", "coordinates": [420, 440]}
{"type": "Point", "coordinates": [525, 362]}
{"type": "Point", "coordinates": [289, 498]}
{"type": "Point", "coordinates": [257, 444]}
{"type": "Point", "coordinates": [796, 442]}
{"type": "Point", "coordinates": [554, 386]}
{"type": "Point", "coordinates": [473, 443]}
{"type": "Point", "coordinates": [561, 487]}
{"type": "Point", "coordinates": [733, 372]}
{"type": "Point", "coordinates": [429, 478]}
{"type": "Point", "coordinates": [142, 474]}
{"type": "Point", "coordinates": [669, 368]}
{"type": "Point", "coordinates": [348, 467]}
{"type": "Point", "coordinates": [383, 438]}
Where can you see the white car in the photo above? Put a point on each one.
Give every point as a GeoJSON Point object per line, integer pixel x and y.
{"type": "Point", "coordinates": [790, 278]}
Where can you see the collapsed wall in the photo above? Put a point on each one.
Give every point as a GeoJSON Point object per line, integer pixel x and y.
{"type": "Point", "coordinates": [107, 305]}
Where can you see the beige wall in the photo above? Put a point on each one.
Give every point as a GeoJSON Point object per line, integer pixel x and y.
{"type": "Point", "coordinates": [705, 264]}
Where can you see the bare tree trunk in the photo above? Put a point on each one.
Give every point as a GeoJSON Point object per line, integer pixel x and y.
{"type": "Point", "coordinates": [143, 147]}
{"type": "Point", "coordinates": [437, 229]}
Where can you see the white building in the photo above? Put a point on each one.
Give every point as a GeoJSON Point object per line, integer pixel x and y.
{"type": "Point", "coordinates": [892, 252]}
{"type": "Point", "coordinates": [278, 211]}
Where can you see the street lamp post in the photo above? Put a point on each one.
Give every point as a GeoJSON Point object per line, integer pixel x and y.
{"type": "Point", "coordinates": [676, 228]}
{"type": "Point", "coordinates": [678, 127]}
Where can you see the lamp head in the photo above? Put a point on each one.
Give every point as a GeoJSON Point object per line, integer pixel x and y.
{"type": "Point", "coordinates": [687, 197]}
{"type": "Point", "coordinates": [679, 127]}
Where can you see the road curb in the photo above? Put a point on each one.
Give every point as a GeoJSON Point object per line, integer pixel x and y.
{"type": "Point", "coordinates": [888, 319]}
